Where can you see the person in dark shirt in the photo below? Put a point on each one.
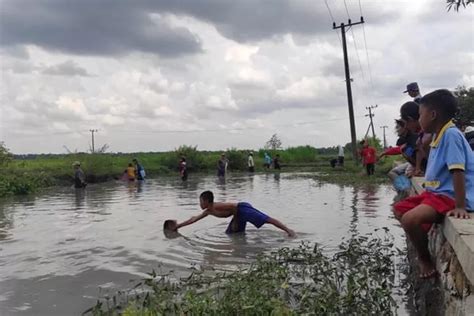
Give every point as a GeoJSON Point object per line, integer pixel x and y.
{"type": "Point", "coordinates": [79, 177]}
{"type": "Point", "coordinates": [276, 162]}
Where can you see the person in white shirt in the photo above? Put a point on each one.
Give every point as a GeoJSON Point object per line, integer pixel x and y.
{"type": "Point", "coordinates": [250, 162]}
{"type": "Point", "coordinates": [340, 156]}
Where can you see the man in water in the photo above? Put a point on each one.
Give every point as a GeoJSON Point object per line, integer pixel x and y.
{"type": "Point", "coordinates": [241, 214]}
{"type": "Point", "coordinates": [79, 177]}
{"type": "Point", "coordinates": [222, 166]}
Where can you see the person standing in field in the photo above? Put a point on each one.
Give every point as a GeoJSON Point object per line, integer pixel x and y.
{"type": "Point", "coordinates": [276, 162]}
{"type": "Point", "coordinates": [79, 177]}
{"type": "Point", "coordinates": [340, 156]}
{"type": "Point", "coordinates": [139, 170]}
{"type": "Point", "coordinates": [369, 157]}
{"type": "Point", "coordinates": [267, 161]}
{"type": "Point", "coordinates": [130, 172]}
{"type": "Point", "coordinates": [250, 162]}
{"type": "Point", "coordinates": [222, 166]}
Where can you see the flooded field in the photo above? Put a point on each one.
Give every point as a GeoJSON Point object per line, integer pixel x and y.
{"type": "Point", "coordinates": [62, 249]}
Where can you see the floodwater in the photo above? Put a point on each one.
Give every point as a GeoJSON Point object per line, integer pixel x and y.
{"type": "Point", "coordinates": [62, 249]}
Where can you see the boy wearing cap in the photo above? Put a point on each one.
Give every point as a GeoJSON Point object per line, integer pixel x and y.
{"type": "Point", "coordinates": [449, 177]}
{"type": "Point", "coordinates": [413, 91]}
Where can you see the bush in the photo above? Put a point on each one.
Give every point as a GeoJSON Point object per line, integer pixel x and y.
{"type": "Point", "coordinates": [357, 280]}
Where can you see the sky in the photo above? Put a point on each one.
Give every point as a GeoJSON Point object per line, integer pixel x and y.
{"type": "Point", "coordinates": [154, 75]}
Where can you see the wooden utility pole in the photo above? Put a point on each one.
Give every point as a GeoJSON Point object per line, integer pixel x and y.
{"type": "Point", "coordinates": [348, 83]}
{"type": "Point", "coordinates": [92, 132]}
{"type": "Point", "coordinates": [371, 115]}
{"type": "Point", "coordinates": [384, 139]}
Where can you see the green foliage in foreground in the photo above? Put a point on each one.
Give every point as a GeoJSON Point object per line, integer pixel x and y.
{"type": "Point", "coordinates": [357, 280]}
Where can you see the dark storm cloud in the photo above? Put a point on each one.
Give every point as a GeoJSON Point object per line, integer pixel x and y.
{"type": "Point", "coordinates": [250, 20]}
{"type": "Point", "coordinates": [107, 27]}
{"type": "Point", "coordinates": [92, 28]}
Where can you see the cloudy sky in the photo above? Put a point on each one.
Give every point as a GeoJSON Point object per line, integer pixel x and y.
{"type": "Point", "coordinates": [152, 75]}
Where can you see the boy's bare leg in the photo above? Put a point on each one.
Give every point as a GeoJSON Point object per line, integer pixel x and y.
{"type": "Point", "coordinates": [411, 222]}
{"type": "Point", "coordinates": [280, 225]}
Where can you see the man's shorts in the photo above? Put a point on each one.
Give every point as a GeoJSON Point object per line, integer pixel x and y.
{"type": "Point", "coordinates": [246, 213]}
{"type": "Point", "coordinates": [441, 203]}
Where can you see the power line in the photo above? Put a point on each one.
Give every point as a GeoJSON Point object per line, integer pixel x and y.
{"type": "Point", "coordinates": [332, 18]}
{"type": "Point", "coordinates": [354, 42]}
{"type": "Point", "coordinates": [366, 51]}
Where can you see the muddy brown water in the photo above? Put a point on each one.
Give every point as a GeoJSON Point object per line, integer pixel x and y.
{"type": "Point", "coordinates": [60, 250]}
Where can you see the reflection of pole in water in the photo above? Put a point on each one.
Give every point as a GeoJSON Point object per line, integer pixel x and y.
{"type": "Point", "coordinates": [355, 212]}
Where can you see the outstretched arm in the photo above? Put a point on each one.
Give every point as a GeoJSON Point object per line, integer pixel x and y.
{"type": "Point", "coordinates": [192, 220]}
{"type": "Point", "coordinates": [280, 225]}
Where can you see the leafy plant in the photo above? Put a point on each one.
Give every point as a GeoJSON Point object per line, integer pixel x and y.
{"type": "Point", "coordinates": [356, 280]}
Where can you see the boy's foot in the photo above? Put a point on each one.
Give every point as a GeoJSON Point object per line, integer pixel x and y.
{"type": "Point", "coordinates": [427, 270]}
{"type": "Point", "coordinates": [430, 274]}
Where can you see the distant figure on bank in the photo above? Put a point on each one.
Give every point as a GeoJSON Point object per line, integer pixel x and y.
{"type": "Point", "coordinates": [413, 91]}
{"type": "Point", "coordinates": [369, 157]}
{"type": "Point", "coordinates": [340, 156]}
{"type": "Point", "coordinates": [267, 160]}
{"type": "Point", "coordinates": [250, 162]}
{"type": "Point", "coordinates": [183, 170]}
{"type": "Point", "coordinates": [130, 172]}
{"type": "Point", "coordinates": [79, 177]}
{"type": "Point", "coordinates": [222, 166]}
{"type": "Point", "coordinates": [139, 170]}
{"type": "Point", "coordinates": [449, 177]}
{"type": "Point", "coordinates": [241, 214]}
{"type": "Point", "coordinates": [276, 162]}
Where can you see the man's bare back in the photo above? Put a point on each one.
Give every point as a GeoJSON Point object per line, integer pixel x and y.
{"type": "Point", "coordinates": [222, 210]}
{"type": "Point", "coordinates": [241, 214]}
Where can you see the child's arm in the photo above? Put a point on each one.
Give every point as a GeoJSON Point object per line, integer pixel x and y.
{"type": "Point", "coordinates": [459, 195]}
{"type": "Point", "coordinates": [192, 220]}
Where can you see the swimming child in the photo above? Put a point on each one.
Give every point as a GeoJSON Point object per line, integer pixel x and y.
{"type": "Point", "coordinates": [241, 214]}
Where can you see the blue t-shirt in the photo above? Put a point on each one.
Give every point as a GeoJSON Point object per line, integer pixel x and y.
{"type": "Point", "coordinates": [450, 151]}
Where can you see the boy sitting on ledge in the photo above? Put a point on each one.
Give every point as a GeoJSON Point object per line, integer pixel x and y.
{"type": "Point", "coordinates": [449, 177]}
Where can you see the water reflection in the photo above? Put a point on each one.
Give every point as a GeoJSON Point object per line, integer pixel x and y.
{"type": "Point", "coordinates": [64, 236]}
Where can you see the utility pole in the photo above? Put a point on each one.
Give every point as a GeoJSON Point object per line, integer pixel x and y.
{"type": "Point", "coordinates": [371, 115]}
{"type": "Point", "coordinates": [384, 139]}
{"type": "Point", "coordinates": [92, 132]}
{"type": "Point", "coordinates": [348, 83]}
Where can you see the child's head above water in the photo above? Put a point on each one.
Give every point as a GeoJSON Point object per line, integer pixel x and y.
{"type": "Point", "coordinates": [437, 107]}
{"type": "Point", "coordinates": [169, 224]}
{"type": "Point", "coordinates": [206, 198]}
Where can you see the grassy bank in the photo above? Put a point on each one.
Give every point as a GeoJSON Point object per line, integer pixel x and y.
{"type": "Point", "coordinates": [357, 280]}
{"type": "Point", "coordinates": [22, 176]}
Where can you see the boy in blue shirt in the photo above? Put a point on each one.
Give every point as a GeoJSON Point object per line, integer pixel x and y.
{"type": "Point", "coordinates": [449, 177]}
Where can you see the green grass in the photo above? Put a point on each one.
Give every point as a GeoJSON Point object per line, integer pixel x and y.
{"type": "Point", "coordinates": [357, 280]}
{"type": "Point", "coordinates": [29, 175]}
